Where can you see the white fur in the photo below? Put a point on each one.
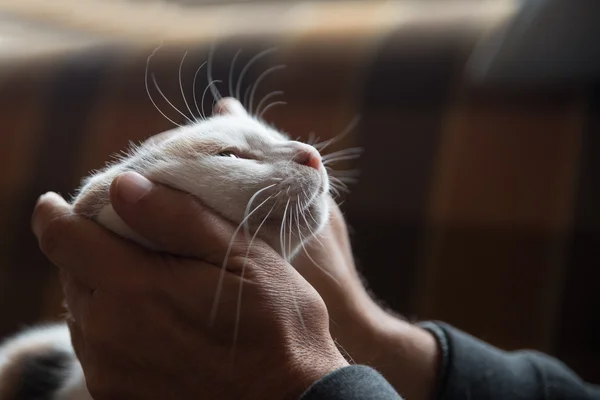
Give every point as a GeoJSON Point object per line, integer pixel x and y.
{"type": "Point", "coordinates": [223, 183]}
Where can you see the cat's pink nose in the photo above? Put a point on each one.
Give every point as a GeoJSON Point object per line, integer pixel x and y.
{"type": "Point", "coordinates": [309, 157]}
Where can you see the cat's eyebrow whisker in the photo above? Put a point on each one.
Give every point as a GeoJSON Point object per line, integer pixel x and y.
{"type": "Point", "coordinates": [215, 306]}
{"type": "Point", "coordinates": [166, 99]}
{"type": "Point", "coordinates": [215, 92]}
{"type": "Point", "coordinates": [271, 105]}
{"type": "Point", "coordinates": [247, 67]}
{"type": "Point", "coordinates": [264, 100]}
{"type": "Point", "coordinates": [231, 67]}
{"type": "Point", "coordinates": [148, 89]}
{"type": "Point", "coordinates": [258, 80]}
{"type": "Point", "coordinates": [238, 308]}
{"type": "Point", "coordinates": [208, 85]}
{"type": "Point", "coordinates": [181, 85]}
{"type": "Point", "coordinates": [201, 114]}
{"type": "Point", "coordinates": [323, 145]}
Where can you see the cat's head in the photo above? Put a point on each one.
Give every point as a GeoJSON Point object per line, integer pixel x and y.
{"type": "Point", "coordinates": [241, 168]}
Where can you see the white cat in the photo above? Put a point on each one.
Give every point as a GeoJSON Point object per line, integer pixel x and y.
{"type": "Point", "coordinates": [235, 164]}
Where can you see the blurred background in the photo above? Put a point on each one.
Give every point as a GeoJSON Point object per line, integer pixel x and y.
{"type": "Point", "coordinates": [477, 199]}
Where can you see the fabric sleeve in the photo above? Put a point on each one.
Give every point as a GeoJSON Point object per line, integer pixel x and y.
{"type": "Point", "coordinates": [472, 369]}
{"type": "Point", "coordinates": [356, 382]}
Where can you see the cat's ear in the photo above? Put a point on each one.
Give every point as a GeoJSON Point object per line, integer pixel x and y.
{"type": "Point", "coordinates": [229, 106]}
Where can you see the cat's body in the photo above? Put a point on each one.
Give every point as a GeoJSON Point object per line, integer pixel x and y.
{"type": "Point", "coordinates": [236, 165]}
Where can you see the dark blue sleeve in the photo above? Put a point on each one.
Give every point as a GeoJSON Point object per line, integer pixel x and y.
{"type": "Point", "coordinates": [473, 369]}
{"type": "Point", "coordinates": [356, 382]}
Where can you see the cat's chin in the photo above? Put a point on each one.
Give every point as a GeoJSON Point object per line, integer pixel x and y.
{"type": "Point", "coordinates": [304, 228]}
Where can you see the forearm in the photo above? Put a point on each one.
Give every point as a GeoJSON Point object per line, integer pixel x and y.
{"type": "Point", "coordinates": [406, 355]}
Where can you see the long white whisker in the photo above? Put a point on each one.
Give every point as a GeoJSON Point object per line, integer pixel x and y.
{"type": "Point", "coordinates": [237, 54]}
{"type": "Point", "coordinates": [298, 311]}
{"type": "Point", "coordinates": [281, 231]}
{"type": "Point", "coordinates": [246, 94]}
{"type": "Point", "coordinates": [215, 306]}
{"type": "Point", "coordinates": [249, 205]}
{"type": "Point", "coordinates": [312, 260]}
{"type": "Point", "coordinates": [340, 158]}
{"type": "Point", "coordinates": [148, 89]}
{"type": "Point", "coordinates": [247, 67]}
{"type": "Point", "coordinates": [213, 88]}
{"type": "Point", "coordinates": [166, 99]}
{"type": "Point", "coordinates": [312, 233]}
{"type": "Point", "coordinates": [351, 150]}
{"type": "Point", "coordinates": [259, 80]}
{"type": "Point", "coordinates": [239, 298]}
{"type": "Point", "coordinates": [194, 90]}
{"type": "Point", "coordinates": [322, 146]}
{"type": "Point", "coordinates": [181, 85]}
{"type": "Point", "coordinates": [289, 253]}
{"type": "Point", "coordinates": [267, 97]}
{"type": "Point", "coordinates": [273, 104]}
{"type": "Point", "coordinates": [204, 94]}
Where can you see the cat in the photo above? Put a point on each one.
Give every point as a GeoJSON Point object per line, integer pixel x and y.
{"type": "Point", "coordinates": [235, 164]}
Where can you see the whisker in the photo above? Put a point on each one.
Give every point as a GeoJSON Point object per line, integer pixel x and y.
{"type": "Point", "coordinates": [215, 306]}
{"type": "Point", "coordinates": [349, 173]}
{"type": "Point", "coordinates": [237, 54]}
{"type": "Point", "coordinates": [239, 298]}
{"type": "Point", "coordinates": [148, 89]}
{"type": "Point", "coordinates": [273, 104]}
{"type": "Point", "coordinates": [351, 150]}
{"type": "Point", "coordinates": [181, 85]}
{"type": "Point", "coordinates": [247, 210]}
{"type": "Point", "coordinates": [289, 253]}
{"type": "Point", "coordinates": [259, 80]}
{"type": "Point", "coordinates": [247, 67]}
{"type": "Point", "coordinates": [323, 145]}
{"type": "Point", "coordinates": [166, 99]}
{"type": "Point", "coordinates": [312, 233]}
{"type": "Point", "coordinates": [281, 231]}
{"type": "Point", "coordinates": [267, 97]}
{"type": "Point", "coordinates": [298, 311]}
{"type": "Point", "coordinates": [213, 89]}
{"type": "Point", "coordinates": [194, 91]}
{"type": "Point", "coordinates": [246, 94]}
{"type": "Point", "coordinates": [340, 158]}
{"type": "Point", "coordinates": [204, 94]}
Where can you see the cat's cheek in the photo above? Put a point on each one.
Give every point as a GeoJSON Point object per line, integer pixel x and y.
{"type": "Point", "coordinates": [111, 220]}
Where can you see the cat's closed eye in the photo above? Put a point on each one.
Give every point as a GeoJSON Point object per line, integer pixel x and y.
{"type": "Point", "coordinates": [227, 153]}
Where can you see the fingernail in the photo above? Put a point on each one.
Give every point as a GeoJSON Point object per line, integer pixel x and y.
{"type": "Point", "coordinates": [132, 186]}
{"type": "Point", "coordinates": [36, 220]}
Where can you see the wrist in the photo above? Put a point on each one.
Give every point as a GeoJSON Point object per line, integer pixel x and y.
{"type": "Point", "coordinates": [405, 354]}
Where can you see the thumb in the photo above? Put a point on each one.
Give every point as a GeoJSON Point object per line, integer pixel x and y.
{"type": "Point", "coordinates": [174, 221]}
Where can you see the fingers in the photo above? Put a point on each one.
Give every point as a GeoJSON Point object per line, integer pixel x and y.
{"type": "Point", "coordinates": [86, 250]}
{"type": "Point", "coordinates": [173, 221]}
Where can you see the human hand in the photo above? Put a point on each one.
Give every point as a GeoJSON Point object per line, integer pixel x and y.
{"type": "Point", "coordinates": [406, 355]}
{"type": "Point", "coordinates": [141, 320]}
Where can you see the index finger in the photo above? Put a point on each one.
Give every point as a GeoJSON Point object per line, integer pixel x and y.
{"type": "Point", "coordinates": [85, 249]}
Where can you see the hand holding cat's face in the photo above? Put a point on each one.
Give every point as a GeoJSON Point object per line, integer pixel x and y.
{"type": "Point", "coordinates": [140, 321]}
